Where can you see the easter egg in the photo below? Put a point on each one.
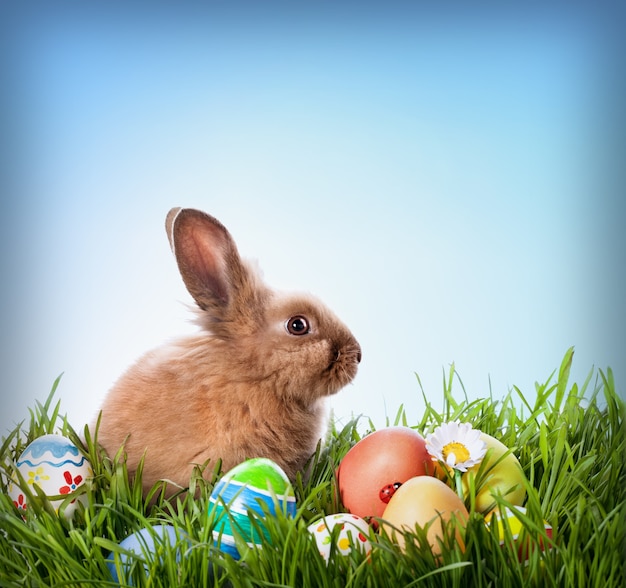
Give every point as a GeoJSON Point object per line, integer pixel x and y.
{"type": "Point", "coordinates": [424, 501]}
{"type": "Point", "coordinates": [505, 477]}
{"type": "Point", "coordinates": [496, 522]}
{"type": "Point", "coordinates": [145, 545]}
{"type": "Point", "coordinates": [56, 466]}
{"type": "Point", "coordinates": [257, 485]}
{"type": "Point", "coordinates": [352, 533]}
{"type": "Point", "coordinates": [377, 466]}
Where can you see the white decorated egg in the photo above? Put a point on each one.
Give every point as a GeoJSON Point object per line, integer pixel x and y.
{"type": "Point", "coordinates": [352, 533]}
{"type": "Point", "coordinates": [258, 485]}
{"type": "Point", "coordinates": [56, 466]}
{"type": "Point", "coordinates": [146, 545]}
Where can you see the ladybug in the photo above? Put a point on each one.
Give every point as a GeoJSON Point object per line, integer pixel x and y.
{"type": "Point", "coordinates": [388, 491]}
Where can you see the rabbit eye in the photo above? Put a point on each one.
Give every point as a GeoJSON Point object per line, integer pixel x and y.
{"type": "Point", "coordinates": [298, 325]}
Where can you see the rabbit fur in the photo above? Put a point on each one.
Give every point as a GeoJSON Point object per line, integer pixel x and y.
{"type": "Point", "coordinates": [251, 383]}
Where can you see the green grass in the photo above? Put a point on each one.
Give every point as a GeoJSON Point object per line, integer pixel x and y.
{"type": "Point", "coordinates": [570, 441]}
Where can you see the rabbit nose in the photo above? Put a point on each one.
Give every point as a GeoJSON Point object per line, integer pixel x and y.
{"type": "Point", "coordinates": [358, 353]}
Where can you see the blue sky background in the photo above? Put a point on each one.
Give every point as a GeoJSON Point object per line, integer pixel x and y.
{"type": "Point", "coordinates": [445, 181]}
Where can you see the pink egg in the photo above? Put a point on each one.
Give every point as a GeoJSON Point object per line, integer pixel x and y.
{"type": "Point", "coordinates": [377, 466]}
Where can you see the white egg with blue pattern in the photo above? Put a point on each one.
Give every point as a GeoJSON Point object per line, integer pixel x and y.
{"type": "Point", "coordinates": [57, 467]}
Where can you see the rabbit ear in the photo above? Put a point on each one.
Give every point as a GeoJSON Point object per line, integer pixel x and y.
{"type": "Point", "coordinates": [169, 224]}
{"type": "Point", "coordinates": [207, 256]}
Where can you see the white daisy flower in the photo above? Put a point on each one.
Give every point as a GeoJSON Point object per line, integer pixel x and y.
{"type": "Point", "coordinates": [457, 445]}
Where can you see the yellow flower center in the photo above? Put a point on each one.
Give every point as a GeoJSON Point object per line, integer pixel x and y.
{"type": "Point", "coordinates": [459, 450]}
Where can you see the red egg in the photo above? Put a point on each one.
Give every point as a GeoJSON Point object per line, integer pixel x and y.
{"type": "Point", "coordinates": [377, 466]}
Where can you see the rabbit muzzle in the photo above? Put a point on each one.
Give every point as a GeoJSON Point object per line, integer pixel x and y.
{"type": "Point", "coordinates": [344, 364]}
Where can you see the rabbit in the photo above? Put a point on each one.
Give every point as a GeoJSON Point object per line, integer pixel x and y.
{"type": "Point", "coordinates": [251, 383]}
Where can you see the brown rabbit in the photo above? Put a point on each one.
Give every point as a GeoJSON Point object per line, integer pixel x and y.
{"type": "Point", "coordinates": [252, 383]}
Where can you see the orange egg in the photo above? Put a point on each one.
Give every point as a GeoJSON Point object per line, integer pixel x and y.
{"type": "Point", "coordinates": [376, 467]}
{"type": "Point", "coordinates": [422, 501]}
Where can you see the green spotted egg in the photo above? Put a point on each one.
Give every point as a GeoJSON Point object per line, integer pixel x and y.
{"type": "Point", "coordinates": [257, 485]}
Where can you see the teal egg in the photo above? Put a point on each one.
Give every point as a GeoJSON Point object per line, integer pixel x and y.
{"type": "Point", "coordinates": [258, 485]}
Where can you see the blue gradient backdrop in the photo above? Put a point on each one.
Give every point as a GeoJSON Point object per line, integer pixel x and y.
{"type": "Point", "coordinates": [446, 181]}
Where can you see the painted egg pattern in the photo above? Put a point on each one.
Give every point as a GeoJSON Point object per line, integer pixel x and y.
{"type": "Point", "coordinates": [258, 485]}
{"type": "Point", "coordinates": [352, 534]}
{"type": "Point", "coordinates": [56, 466]}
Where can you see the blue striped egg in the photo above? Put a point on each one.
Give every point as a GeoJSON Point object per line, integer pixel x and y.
{"type": "Point", "coordinates": [257, 485]}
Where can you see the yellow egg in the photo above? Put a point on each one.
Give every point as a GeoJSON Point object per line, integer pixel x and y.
{"type": "Point", "coordinates": [423, 501]}
{"type": "Point", "coordinates": [515, 526]}
{"type": "Point", "coordinates": [505, 477]}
